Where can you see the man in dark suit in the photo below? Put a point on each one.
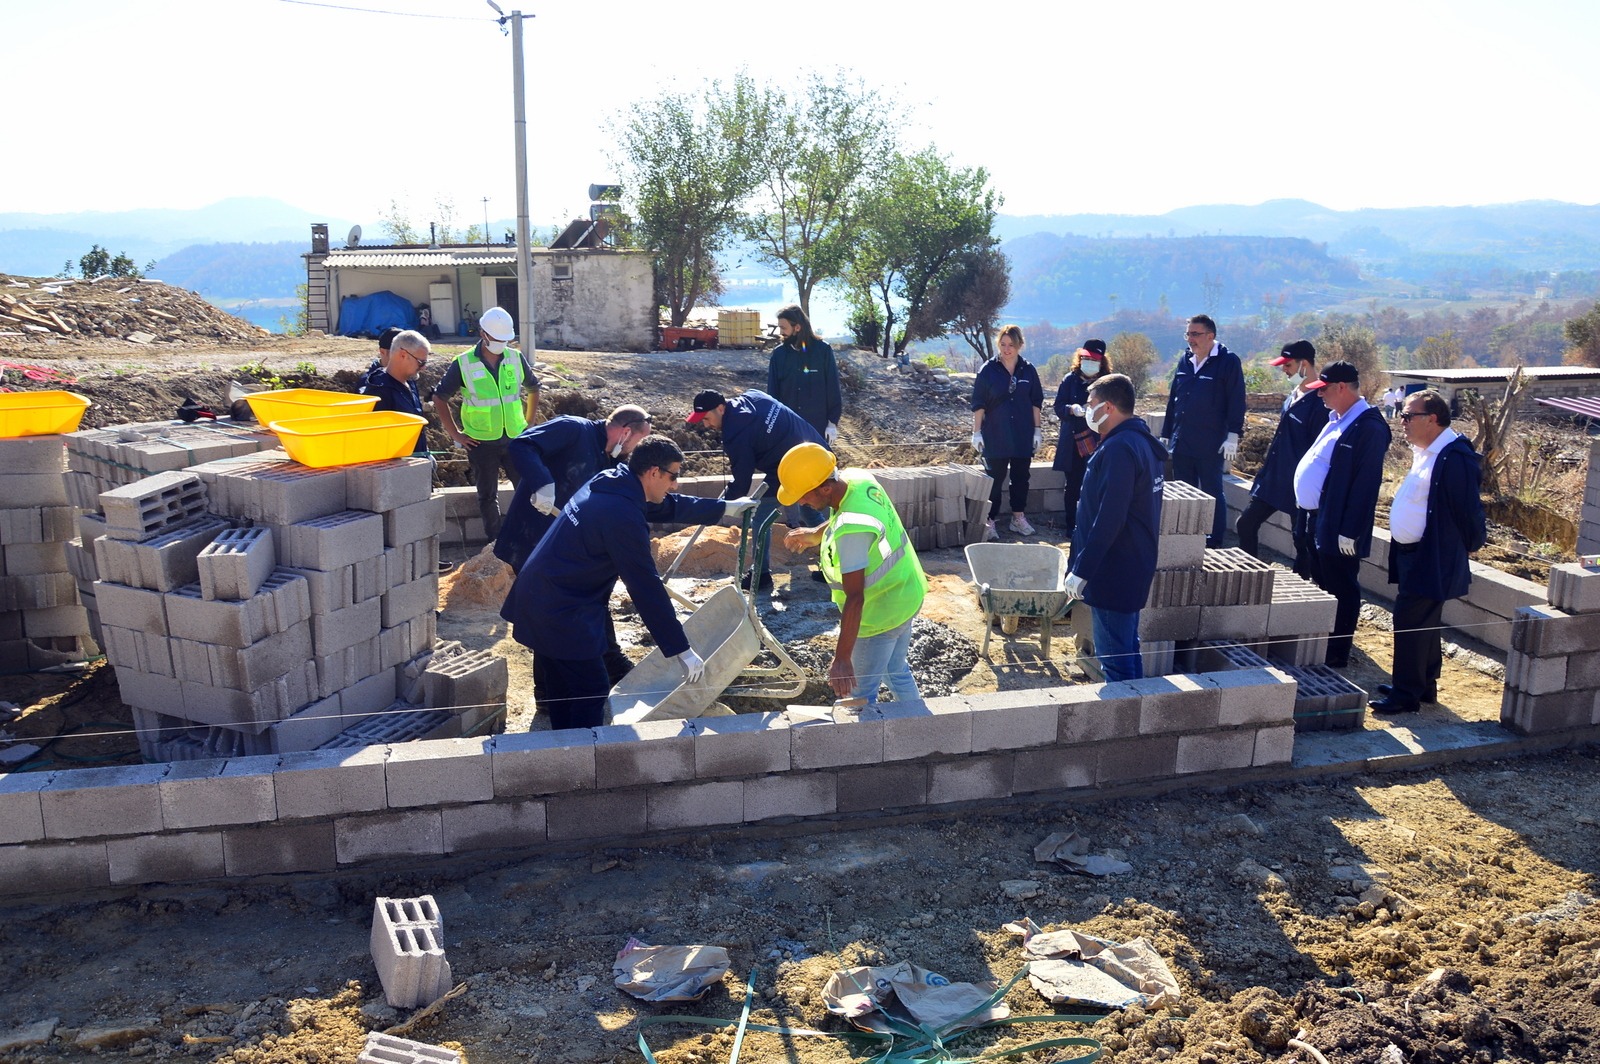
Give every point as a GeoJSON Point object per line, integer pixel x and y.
{"type": "Point", "coordinates": [1299, 424]}
{"type": "Point", "coordinates": [1436, 520]}
{"type": "Point", "coordinates": [1205, 416]}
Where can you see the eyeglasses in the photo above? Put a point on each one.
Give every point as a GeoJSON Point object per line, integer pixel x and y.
{"type": "Point", "coordinates": [419, 361]}
{"type": "Point", "coordinates": [671, 475]}
{"type": "Point", "coordinates": [1197, 332]}
{"type": "Point", "coordinates": [1416, 413]}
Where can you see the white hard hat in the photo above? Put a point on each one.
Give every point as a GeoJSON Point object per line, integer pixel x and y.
{"type": "Point", "coordinates": [498, 325]}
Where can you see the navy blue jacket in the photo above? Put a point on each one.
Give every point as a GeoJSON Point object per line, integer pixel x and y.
{"type": "Point", "coordinates": [757, 431]}
{"type": "Point", "coordinates": [1298, 428]}
{"type": "Point", "coordinates": [1202, 408]}
{"type": "Point", "coordinates": [1350, 494]}
{"type": "Point", "coordinates": [566, 451]}
{"type": "Point", "coordinates": [1119, 518]}
{"type": "Point", "coordinates": [560, 600]}
{"type": "Point", "coordinates": [1074, 391]}
{"type": "Point", "coordinates": [396, 395]}
{"type": "Point", "coordinates": [1008, 413]}
{"type": "Point", "coordinates": [807, 382]}
{"type": "Point", "coordinates": [1455, 527]}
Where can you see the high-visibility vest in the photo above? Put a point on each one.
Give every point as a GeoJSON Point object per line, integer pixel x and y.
{"type": "Point", "coordinates": [894, 581]}
{"type": "Point", "coordinates": [491, 404]}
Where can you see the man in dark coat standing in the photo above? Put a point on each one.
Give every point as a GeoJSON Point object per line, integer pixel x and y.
{"type": "Point", "coordinates": [1302, 418]}
{"type": "Point", "coordinates": [1436, 520]}
{"type": "Point", "coordinates": [804, 376]}
{"type": "Point", "coordinates": [1205, 416]}
{"type": "Point", "coordinates": [1336, 488]}
{"type": "Point", "coordinates": [1118, 521]}
{"type": "Point", "coordinates": [560, 601]}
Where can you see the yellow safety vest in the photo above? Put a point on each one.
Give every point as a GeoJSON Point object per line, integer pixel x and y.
{"type": "Point", "coordinates": [894, 580]}
{"type": "Point", "coordinates": [491, 404]}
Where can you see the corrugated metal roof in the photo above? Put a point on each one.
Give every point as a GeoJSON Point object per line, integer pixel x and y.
{"type": "Point", "coordinates": [428, 258]}
{"type": "Point", "coordinates": [1575, 405]}
{"type": "Point", "coordinates": [1501, 375]}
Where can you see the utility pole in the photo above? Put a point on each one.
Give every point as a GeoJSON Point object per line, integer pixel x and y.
{"type": "Point", "coordinates": [524, 237]}
{"type": "Point", "coordinates": [486, 221]}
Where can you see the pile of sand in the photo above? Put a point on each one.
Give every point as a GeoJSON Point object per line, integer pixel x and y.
{"type": "Point", "coordinates": [479, 583]}
{"type": "Point", "coordinates": [715, 555]}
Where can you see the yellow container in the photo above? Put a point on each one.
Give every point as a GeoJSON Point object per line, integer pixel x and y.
{"type": "Point", "coordinates": [289, 403]}
{"type": "Point", "coordinates": [349, 439]}
{"type": "Point", "coordinates": [47, 413]}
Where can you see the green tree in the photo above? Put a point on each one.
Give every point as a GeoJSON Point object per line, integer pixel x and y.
{"type": "Point", "coordinates": [397, 224]}
{"type": "Point", "coordinates": [1439, 352]}
{"type": "Point", "coordinates": [1583, 338]}
{"type": "Point", "coordinates": [823, 152]}
{"type": "Point", "coordinates": [1133, 354]}
{"type": "Point", "coordinates": [969, 297]}
{"type": "Point", "coordinates": [95, 263]}
{"type": "Point", "coordinates": [122, 266]}
{"type": "Point", "coordinates": [922, 216]}
{"type": "Point", "coordinates": [689, 163]}
{"type": "Point", "coordinates": [300, 324]}
{"type": "Point", "coordinates": [1356, 344]}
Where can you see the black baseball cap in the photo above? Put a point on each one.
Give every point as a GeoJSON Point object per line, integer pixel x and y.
{"type": "Point", "coordinates": [1337, 373]}
{"type": "Point", "coordinates": [703, 402]}
{"type": "Point", "coordinates": [1299, 351]}
{"type": "Point", "coordinates": [386, 338]}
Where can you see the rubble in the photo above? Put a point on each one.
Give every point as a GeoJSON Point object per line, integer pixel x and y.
{"type": "Point", "coordinates": [139, 310]}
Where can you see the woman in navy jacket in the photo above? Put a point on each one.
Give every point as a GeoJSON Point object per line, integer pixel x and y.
{"type": "Point", "coordinates": [1088, 365]}
{"type": "Point", "coordinates": [1007, 407]}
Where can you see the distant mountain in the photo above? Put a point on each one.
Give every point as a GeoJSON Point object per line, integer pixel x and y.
{"type": "Point", "coordinates": [236, 271]}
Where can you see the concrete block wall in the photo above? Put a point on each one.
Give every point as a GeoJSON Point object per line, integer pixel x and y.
{"type": "Point", "coordinates": [333, 808]}
{"type": "Point", "coordinates": [1553, 667]}
{"type": "Point", "coordinates": [1589, 517]}
{"type": "Point", "coordinates": [42, 619]}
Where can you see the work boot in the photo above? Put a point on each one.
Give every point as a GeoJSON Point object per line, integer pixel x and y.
{"type": "Point", "coordinates": [1019, 525]}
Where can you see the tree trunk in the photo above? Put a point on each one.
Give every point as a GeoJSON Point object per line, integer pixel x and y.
{"type": "Point", "coordinates": [1494, 421]}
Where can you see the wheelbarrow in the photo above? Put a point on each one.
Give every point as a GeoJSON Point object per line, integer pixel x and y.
{"type": "Point", "coordinates": [727, 633]}
{"type": "Point", "coordinates": [1018, 580]}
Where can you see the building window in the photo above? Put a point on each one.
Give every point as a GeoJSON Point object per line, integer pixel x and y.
{"type": "Point", "coordinates": [561, 271]}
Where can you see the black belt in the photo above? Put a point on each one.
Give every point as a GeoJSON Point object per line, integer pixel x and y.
{"type": "Point", "coordinates": [1406, 548]}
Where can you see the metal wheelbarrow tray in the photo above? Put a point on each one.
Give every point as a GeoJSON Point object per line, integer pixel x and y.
{"type": "Point", "coordinates": [1020, 580]}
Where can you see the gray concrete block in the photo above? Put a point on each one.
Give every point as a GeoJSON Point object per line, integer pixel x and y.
{"type": "Point", "coordinates": [1128, 760]}
{"type": "Point", "coordinates": [1475, 623]}
{"type": "Point", "coordinates": [388, 1049]}
{"type": "Point", "coordinates": [309, 728]}
{"type": "Point", "coordinates": [277, 849]}
{"type": "Point", "coordinates": [185, 858]}
{"type": "Point", "coordinates": [1169, 623]}
{"type": "Point", "coordinates": [410, 600]}
{"type": "Point", "coordinates": [694, 805]}
{"type": "Point", "coordinates": [375, 836]}
{"type": "Point", "coordinates": [369, 696]}
{"type": "Point", "coordinates": [971, 779]}
{"type": "Point", "coordinates": [1252, 696]}
{"type": "Point", "coordinates": [1502, 593]}
{"type": "Point", "coordinates": [203, 794]}
{"type": "Point", "coordinates": [746, 744]}
{"type": "Point", "coordinates": [1528, 714]}
{"type": "Point", "coordinates": [334, 631]}
{"type": "Point", "coordinates": [53, 868]}
{"type": "Point", "coordinates": [896, 786]}
{"type": "Point", "coordinates": [170, 560]}
{"type": "Point", "coordinates": [1546, 632]}
{"type": "Point", "coordinates": [1012, 720]}
{"type": "Point", "coordinates": [103, 801]}
{"type": "Point", "coordinates": [775, 797]}
{"type": "Point", "coordinates": [54, 622]}
{"type": "Point", "coordinates": [1243, 623]}
{"type": "Point", "coordinates": [331, 542]}
{"type": "Point", "coordinates": [917, 729]}
{"type": "Point", "coordinates": [656, 751]}
{"type": "Point", "coordinates": [330, 782]}
{"type": "Point", "coordinates": [1579, 588]}
{"type": "Point", "coordinates": [24, 490]}
{"type": "Point", "coordinates": [494, 825]}
{"type": "Point", "coordinates": [33, 455]}
{"type": "Point", "coordinates": [542, 762]}
{"type": "Point", "coordinates": [1180, 552]}
{"type": "Point", "coordinates": [34, 559]}
{"type": "Point", "coordinates": [1540, 676]}
{"type": "Point", "coordinates": [1217, 752]}
{"type": "Point", "coordinates": [42, 591]}
{"type": "Point", "coordinates": [190, 616]}
{"type": "Point", "coordinates": [1053, 769]}
{"type": "Point", "coordinates": [1581, 670]}
{"type": "Point", "coordinates": [236, 563]}
{"type": "Point", "coordinates": [282, 493]}
{"type": "Point", "coordinates": [255, 666]}
{"type": "Point", "coordinates": [829, 744]}
{"type": "Point", "coordinates": [439, 771]}
{"type": "Point", "coordinates": [151, 504]}
{"type": "Point", "coordinates": [1175, 703]}
{"type": "Point", "coordinates": [407, 524]}
{"type": "Point", "coordinates": [328, 591]}
{"type": "Point", "coordinates": [1097, 713]}
{"type": "Point", "coordinates": [148, 691]}
{"type": "Point", "coordinates": [382, 486]}
{"type": "Point", "coordinates": [1274, 746]}
{"type": "Point", "coordinates": [407, 941]}
{"type": "Point", "coordinates": [21, 813]}
{"type": "Point", "coordinates": [596, 815]}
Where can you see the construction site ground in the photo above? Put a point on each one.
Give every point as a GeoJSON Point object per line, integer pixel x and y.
{"type": "Point", "coordinates": [1446, 910]}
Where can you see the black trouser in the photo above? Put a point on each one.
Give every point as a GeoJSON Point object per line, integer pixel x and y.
{"type": "Point", "coordinates": [572, 693]}
{"type": "Point", "coordinates": [486, 460]}
{"type": "Point", "coordinates": [618, 664]}
{"type": "Point", "coordinates": [1249, 527]}
{"type": "Point", "coordinates": [1339, 575]}
{"type": "Point", "coordinates": [1305, 543]}
{"type": "Point", "coordinates": [1418, 650]}
{"type": "Point", "coordinates": [1074, 490]}
{"type": "Point", "coordinates": [1020, 469]}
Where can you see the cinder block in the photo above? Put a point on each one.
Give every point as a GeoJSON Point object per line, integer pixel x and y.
{"type": "Point", "coordinates": [328, 591]}
{"type": "Point", "coordinates": [596, 815]}
{"type": "Point", "coordinates": [1180, 551]}
{"type": "Point", "coordinates": [655, 751]}
{"type": "Point", "coordinates": [25, 490]}
{"type": "Point", "coordinates": [694, 805]}
{"type": "Point", "coordinates": [276, 849]}
{"type": "Point", "coordinates": [21, 812]}
{"type": "Point", "coordinates": [1010, 720]}
{"type": "Point", "coordinates": [330, 782]}
{"type": "Point", "coordinates": [1252, 696]}
{"type": "Point", "coordinates": [1539, 676]}
{"type": "Point", "coordinates": [829, 744]}
{"type": "Point", "coordinates": [37, 592]}
{"type": "Point", "coordinates": [148, 690]}
{"type": "Point", "coordinates": [897, 786]}
{"type": "Point", "coordinates": [494, 826]}
{"type": "Point", "coordinates": [1473, 623]}
{"type": "Point", "coordinates": [916, 729]}
{"type": "Point", "coordinates": [971, 779]}
{"type": "Point", "coordinates": [1098, 713]}
{"type": "Point", "coordinates": [170, 560]}
{"type": "Point", "coordinates": [236, 563]}
{"type": "Point", "coordinates": [193, 855]}
{"type": "Point", "coordinates": [407, 943]}
{"type": "Point", "coordinates": [1502, 593]}
{"type": "Point", "coordinates": [774, 797]}
{"type": "Point", "coordinates": [1575, 588]}
{"type": "Point", "coordinates": [383, 486]}
{"type": "Point", "coordinates": [543, 762]}
{"type": "Point", "coordinates": [1244, 623]}
{"type": "Point", "coordinates": [1546, 632]}
{"type": "Point", "coordinates": [411, 600]}
{"type": "Point", "coordinates": [248, 668]}
{"type": "Point", "coordinates": [33, 455]}
{"type": "Point", "coordinates": [1175, 703]}
{"type": "Point", "coordinates": [407, 524]}
{"type": "Point", "coordinates": [1128, 760]}
{"type": "Point", "coordinates": [388, 1049]}
{"type": "Point", "coordinates": [1171, 623]}
{"type": "Point", "coordinates": [1053, 769]}
{"type": "Point", "coordinates": [374, 836]}
{"type": "Point", "coordinates": [439, 771]}
{"type": "Point", "coordinates": [282, 493]}
{"type": "Point", "coordinates": [35, 559]}
{"type": "Point", "coordinates": [331, 632]}
{"type": "Point", "coordinates": [1274, 746]}
{"type": "Point", "coordinates": [103, 801]}
{"type": "Point", "coordinates": [151, 505]}
{"type": "Point", "coordinates": [746, 744]}
{"type": "Point", "coordinates": [203, 794]}
{"type": "Point", "coordinates": [284, 601]}
{"type": "Point", "coordinates": [369, 696]}
{"type": "Point", "coordinates": [333, 541]}
{"type": "Point", "coordinates": [309, 728]}
{"type": "Point", "coordinates": [50, 869]}
{"type": "Point", "coordinates": [54, 622]}
{"type": "Point", "coordinates": [1217, 752]}
{"type": "Point", "coordinates": [1528, 714]}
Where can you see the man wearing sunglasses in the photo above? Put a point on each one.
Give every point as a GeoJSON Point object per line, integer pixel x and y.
{"type": "Point", "coordinates": [395, 383]}
{"type": "Point", "coordinates": [559, 607]}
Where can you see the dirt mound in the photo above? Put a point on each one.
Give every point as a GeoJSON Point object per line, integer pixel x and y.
{"type": "Point", "coordinates": [36, 311]}
{"type": "Point", "coordinates": [479, 583]}
{"type": "Point", "coordinates": [716, 553]}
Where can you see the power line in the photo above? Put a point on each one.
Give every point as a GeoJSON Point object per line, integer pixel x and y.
{"type": "Point", "coordinates": [383, 11]}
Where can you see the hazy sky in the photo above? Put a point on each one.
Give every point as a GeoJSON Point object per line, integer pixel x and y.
{"type": "Point", "coordinates": [1133, 106]}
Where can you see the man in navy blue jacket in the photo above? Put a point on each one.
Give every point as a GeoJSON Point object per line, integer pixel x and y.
{"type": "Point", "coordinates": [803, 375]}
{"type": "Point", "coordinates": [1435, 522]}
{"type": "Point", "coordinates": [1205, 416]}
{"type": "Point", "coordinates": [757, 431]}
{"type": "Point", "coordinates": [1336, 485]}
{"type": "Point", "coordinates": [1302, 419]}
{"type": "Point", "coordinates": [558, 605]}
{"type": "Point", "coordinates": [1118, 522]}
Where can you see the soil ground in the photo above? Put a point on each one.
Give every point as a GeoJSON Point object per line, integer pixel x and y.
{"type": "Point", "coordinates": [1447, 914]}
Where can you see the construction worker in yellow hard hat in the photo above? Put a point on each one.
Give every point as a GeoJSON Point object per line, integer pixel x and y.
{"type": "Point", "coordinates": [869, 565]}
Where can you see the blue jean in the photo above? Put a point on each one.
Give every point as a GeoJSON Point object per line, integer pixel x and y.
{"type": "Point", "coordinates": [882, 659]}
{"type": "Point", "coordinates": [1116, 644]}
{"type": "Point", "coordinates": [1204, 471]}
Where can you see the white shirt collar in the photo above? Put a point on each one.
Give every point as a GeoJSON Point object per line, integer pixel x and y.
{"type": "Point", "coordinates": [1439, 443]}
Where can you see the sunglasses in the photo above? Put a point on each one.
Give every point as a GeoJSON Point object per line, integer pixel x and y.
{"type": "Point", "coordinates": [1418, 413]}
{"type": "Point", "coordinates": [670, 474]}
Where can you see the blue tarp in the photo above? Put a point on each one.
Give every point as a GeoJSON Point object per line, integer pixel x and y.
{"type": "Point", "coordinates": [370, 315]}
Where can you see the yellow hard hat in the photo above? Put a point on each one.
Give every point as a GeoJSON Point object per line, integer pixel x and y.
{"type": "Point", "coordinates": [803, 469]}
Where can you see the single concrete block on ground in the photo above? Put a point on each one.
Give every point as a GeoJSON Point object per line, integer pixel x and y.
{"type": "Point", "coordinates": [388, 1049]}
{"type": "Point", "coordinates": [190, 856]}
{"type": "Point", "coordinates": [439, 771]}
{"type": "Point", "coordinates": [407, 942]}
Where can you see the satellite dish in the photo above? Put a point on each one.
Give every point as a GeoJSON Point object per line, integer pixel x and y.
{"type": "Point", "coordinates": [354, 238]}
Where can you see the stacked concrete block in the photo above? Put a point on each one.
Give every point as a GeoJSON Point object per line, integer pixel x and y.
{"type": "Point", "coordinates": [388, 1049]}
{"type": "Point", "coordinates": [1589, 517]}
{"type": "Point", "coordinates": [1325, 700]}
{"type": "Point", "coordinates": [1553, 667]}
{"type": "Point", "coordinates": [472, 685]}
{"type": "Point", "coordinates": [1299, 619]}
{"type": "Point", "coordinates": [43, 621]}
{"type": "Point", "coordinates": [408, 948]}
{"type": "Point", "coordinates": [233, 566]}
{"type": "Point", "coordinates": [1238, 596]}
{"type": "Point", "coordinates": [101, 459]}
{"type": "Point", "coordinates": [147, 507]}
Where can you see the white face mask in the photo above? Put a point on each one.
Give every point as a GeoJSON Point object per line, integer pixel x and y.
{"type": "Point", "coordinates": [616, 452]}
{"type": "Point", "coordinates": [494, 347]}
{"type": "Point", "coordinates": [1296, 379]}
{"type": "Point", "coordinates": [1089, 368]}
{"type": "Point", "coordinates": [1096, 416]}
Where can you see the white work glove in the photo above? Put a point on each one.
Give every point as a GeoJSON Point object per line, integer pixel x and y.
{"type": "Point", "coordinates": [1230, 446]}
{"type": "Point", "coordinates": [1077, 410]}
{"type": "Point", "coordinates": [977, 442]}
{"type": "Point", "coordinates": [694, 669]}
{"type": "Point", "coordinates": [1038, 438]}
{"type": "Point", "coordinates": [544, 500]}
{"type": "Point", "coordinates": [830, 433]}
{"type": "Point", "coordinates": [735, 507]}
{"type": "Point", "coordinates": [1075, 585]}
{"type": "Point", "coordinates": [1347, 546]}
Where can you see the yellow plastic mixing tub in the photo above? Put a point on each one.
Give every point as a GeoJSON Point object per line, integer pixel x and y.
{"type": "Point", "coordinates": [349, 439]}
{"type": "Point", "coordinates": [289, 403]}
{"type": "Point", "coordinates": [46, 413]}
